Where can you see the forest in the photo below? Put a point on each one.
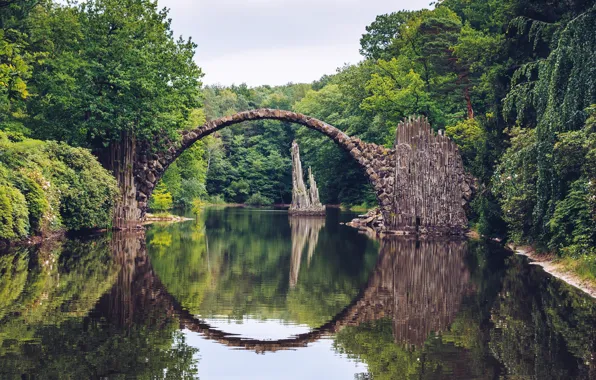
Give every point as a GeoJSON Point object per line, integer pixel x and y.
{"type": "Point", "coordinates": [512, 82]}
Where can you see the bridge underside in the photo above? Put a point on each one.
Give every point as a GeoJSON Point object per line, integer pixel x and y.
{"type": "Point", "coordinates": [420, 183]}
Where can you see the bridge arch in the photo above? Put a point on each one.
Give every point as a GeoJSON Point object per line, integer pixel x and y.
{"type": "Point", "coordinates": [374, 159]}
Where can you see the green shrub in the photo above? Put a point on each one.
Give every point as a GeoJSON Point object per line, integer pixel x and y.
{"type": "Point", "coordinates": [258, 200]}
{"type": "Point", "coordinates": [161, 199]}
{"type": "Point", "coordinates": [37, 202]}
{"type": "Point", "coordinates": [467, 134]}
{"type": "Point", "coordinates": [14, 219]}
{"type": "Point", "coordinates": [87, 190]}
{"type": "Point", "coordinates": [216, 200]}
{"type": "Point", "coordinates": [46, 186]}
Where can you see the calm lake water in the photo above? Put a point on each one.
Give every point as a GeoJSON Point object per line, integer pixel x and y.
{"type": "Point", "coordinates": [254, 294]}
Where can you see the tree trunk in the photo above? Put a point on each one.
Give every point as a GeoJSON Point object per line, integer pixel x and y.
{"type": "Point", "coordinates": [469, 103]}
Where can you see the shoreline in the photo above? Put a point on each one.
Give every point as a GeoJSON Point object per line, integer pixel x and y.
{"type": "Point", "coordinates": [550, 266]}
{"type": "Point", "coordinates": [169, 218]}
{"type": "Point", "coordinates": [33, 240]}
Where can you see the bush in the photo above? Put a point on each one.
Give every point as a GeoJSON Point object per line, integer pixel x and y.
{"type": "Point", "coordinates": [161, 199]}
{"type": "Point", "coordinates": [37, 203]}
{"type": "Point", "coordinates": [14, 220]}
{"type": "Point", "coordinates": [467, 134]}
{"type": "Point", "coordinates": [46, 186]}
{"type": "Point", "coordinates": [215, 200]}
{"type": "Point", "coordinates": [197, 206]}
{"type": "Point", "coordinates": [258, 200]}
{"type": "Point", "coordinates": [87, 190]}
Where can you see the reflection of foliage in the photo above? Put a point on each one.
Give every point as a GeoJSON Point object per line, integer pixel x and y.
{"type": "Point", "coordinates": [216, 272]}
{"type": "Point", "coordinates": [78, 349]}
{"type": "Point", "coordinates": [330, 282]}
{"type": "Point", "coordinates": [161, 239]}
{"type": "Point", "coordinates": [519, 324]}
{"type": "Point", "coordinates": [14, 278]}
{"type": "Point", "coordinates": [544, 328]}
{"type": "Point", "coordinates": [460, 349]}
{"type": "Point", "coordinates": [58, 282]}
{"type": "Point", "coordinates": [373, 343]}
{"type": "Point", "coordinates": [439, 358]}
{"type": "Point", "coordinates": [45, 299]}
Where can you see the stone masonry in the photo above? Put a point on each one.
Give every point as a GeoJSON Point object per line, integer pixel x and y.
{"type": "Point", "coordinates": [378, 162]}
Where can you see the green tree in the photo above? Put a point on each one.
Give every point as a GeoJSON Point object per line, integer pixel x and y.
{"type": "Point", "coordinates": [162, 199]}
{"type": "Point", "coordinates": [380, 35]}
{"type": "Point", "coordinates": [114, 70]}
{"type": "Point", "coordinates": [17, 55]}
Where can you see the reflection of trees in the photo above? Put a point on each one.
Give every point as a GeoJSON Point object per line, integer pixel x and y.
{"type": "Point", "coordinates": [405, 320]}
{"type": "Point", "coordinates": [49, 330]}
{"type": "Point", "coordinates": [513, 320]}
{"type": "Point", "coordinates": [544, 329]}
{"type": "Point", "coordinates": [246, 268]}
{"type": "Point", "coordinates": [419, 284]}
{"type": "Point", "coordinates": [57, 282]}
{"type": "Point", "coordinates": [305, 233]}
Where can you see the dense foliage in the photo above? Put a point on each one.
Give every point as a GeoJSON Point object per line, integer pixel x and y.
{"type": "Point", "coordinates": [512, 82]}
{"type": "Point", "coordinates": [47, 186]}
{"type": "Point", "coordinates": [103, 75]}
{"type": "Point", "coordinates": [110, 67]}
{"type": "Point", "coordinates": [52, 327]}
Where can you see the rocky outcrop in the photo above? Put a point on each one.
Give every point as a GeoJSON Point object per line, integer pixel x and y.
{"type": "Point", "coordinates": [371, 223]}
{"type": "Point", "coordinates": [304, 202]}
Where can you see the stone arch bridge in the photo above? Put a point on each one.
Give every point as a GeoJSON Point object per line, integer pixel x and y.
{"type": "Point", "coordinates": [420, 183]}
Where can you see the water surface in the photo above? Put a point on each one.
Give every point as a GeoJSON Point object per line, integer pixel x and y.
{"type": "Point", "coordinates": [254, 294]}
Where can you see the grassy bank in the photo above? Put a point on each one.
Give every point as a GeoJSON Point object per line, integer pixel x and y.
{"type": "Point", "coordinates": [584, 267]}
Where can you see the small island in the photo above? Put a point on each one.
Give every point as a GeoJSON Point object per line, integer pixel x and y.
{"type": "Point", "coordinates": [304, 202]}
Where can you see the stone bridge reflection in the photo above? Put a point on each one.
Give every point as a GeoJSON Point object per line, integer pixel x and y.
{"type": "Point", "coordinates": [418, 284]}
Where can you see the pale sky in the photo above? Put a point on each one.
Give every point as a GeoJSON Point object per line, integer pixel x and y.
{"type": "Point", "coordinates": [275, 42]}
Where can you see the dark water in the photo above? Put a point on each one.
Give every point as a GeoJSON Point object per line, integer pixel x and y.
{"type": "Point", "coordinates": [252, 294]}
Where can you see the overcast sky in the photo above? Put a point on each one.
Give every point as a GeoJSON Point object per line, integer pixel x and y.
{"type": "Point", "coordinates": [276, 41]}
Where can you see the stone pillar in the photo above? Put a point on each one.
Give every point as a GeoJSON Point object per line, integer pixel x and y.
{"type": "Point", "coordinates": [303, 202]}
{"type": "Point", "coordinates": [300, 198]}
{"type": "Point", "coordinates": [429, 181]}
{"type": "Point", "coordinates": [313, 192]}
{"type": "Point", "coordinates": [119, 158]}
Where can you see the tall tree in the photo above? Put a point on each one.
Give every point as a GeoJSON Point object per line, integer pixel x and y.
{"type": "Point", "coordinates": [115, 76]}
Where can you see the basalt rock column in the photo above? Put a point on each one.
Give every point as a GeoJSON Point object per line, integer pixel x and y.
{"type": "Point", "coordinates": [430, 182]}
{"type": "Point", "coordinates": [300, 198]}
{"type": "Point", "coordinates": [303, 202]}
{"type": "Point", "coordinates": [313, 191]}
